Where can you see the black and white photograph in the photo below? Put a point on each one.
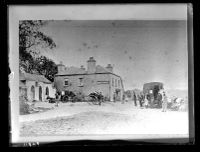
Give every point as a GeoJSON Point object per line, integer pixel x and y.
{"type": "Point", "coordinates": [98, 72]}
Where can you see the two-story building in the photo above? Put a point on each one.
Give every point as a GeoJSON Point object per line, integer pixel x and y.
{"type": "Point", "coordinates": [86, 81]}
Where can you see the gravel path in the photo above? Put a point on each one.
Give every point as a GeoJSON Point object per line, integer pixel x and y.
{"type": "Point", "coordinates": [110, 118]}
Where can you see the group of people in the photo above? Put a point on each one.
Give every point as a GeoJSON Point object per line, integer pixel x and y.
{"type": "Point", "coordinates": [145, 99]}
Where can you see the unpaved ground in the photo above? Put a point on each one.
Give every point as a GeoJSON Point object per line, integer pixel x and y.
{"type": "Point", "coordinates": [110, 118]}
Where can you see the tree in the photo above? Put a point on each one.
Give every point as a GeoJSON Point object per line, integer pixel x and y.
{"type": "Point", "coordinates": [31, 40]}
{"type": "Point", "coordinates": [46, 67]}
{"type": "Point", "coordinates": [128, 93]}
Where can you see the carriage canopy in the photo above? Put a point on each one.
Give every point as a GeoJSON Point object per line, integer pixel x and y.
{"type": "Point", "coordinates": [152, 87]}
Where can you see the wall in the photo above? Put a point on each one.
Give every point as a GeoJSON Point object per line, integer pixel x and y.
{"type": "Point", "coordinates": [52, 91]}
{"type": "Point", "coordinates": [113, 88]}
{"type": "Point", "coordinates": [91, 83]}
{"type": "Point", "coordinates": [29, 84]}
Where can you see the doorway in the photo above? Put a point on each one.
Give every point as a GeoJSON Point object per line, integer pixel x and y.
{"type": "Point", "coordinates": [40, 93]}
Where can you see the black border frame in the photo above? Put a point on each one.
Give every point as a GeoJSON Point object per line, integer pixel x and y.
{"type": "Point", "coordinates": [192, 140]}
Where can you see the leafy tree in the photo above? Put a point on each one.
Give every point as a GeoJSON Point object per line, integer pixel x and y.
{"type": "Point", "coordinates": [128, 93]}
{"type": "Point", "coordinates": [31, 41]}
{"type": "Point", "coordinates": [46, 67]}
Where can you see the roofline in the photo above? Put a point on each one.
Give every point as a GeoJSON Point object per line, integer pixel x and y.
{"type": "Point", "coordinates": [36, 81]}
{"type": "Point", "coordinates": [154, 82]}
{"type": "Point", "coordinates": [87, 74]}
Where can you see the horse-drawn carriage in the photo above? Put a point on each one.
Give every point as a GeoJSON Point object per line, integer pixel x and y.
{"type": "Point", "coordinates": [151, 91]}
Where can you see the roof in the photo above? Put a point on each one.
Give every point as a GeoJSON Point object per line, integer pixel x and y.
{"type": "Point", "coordinates": [71, 71]}
{"type": "Point", "coordinates": [74, 70]}
{"type": "Point", "coordinates": [151, 85]}
{"type": "Point", "coordinates": [33, 77]}
{"type": "Point", "coordinates": [100, 69]}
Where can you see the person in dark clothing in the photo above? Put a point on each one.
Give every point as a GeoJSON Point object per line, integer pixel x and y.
{"type": "Point", "coordinates": [159, 98]}
{"type": "Point", "coordinates": [164, 102]}
{"type": "Point", "coordinates": [142, 96]}
{"type": "Point", "coordinates": [140, 100]}
{"type": "Point", "coordinates": [58, 98]}
{"type": "Point", "coordinates": [135, 99]}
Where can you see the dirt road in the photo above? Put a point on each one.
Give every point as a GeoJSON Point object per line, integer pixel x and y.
{"type": "Point", "coordinates": [110, 118]}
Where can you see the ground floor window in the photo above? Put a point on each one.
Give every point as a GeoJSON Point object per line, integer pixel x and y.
{"type": "Point", "coordinates": [47, 91]}
{"type": "Point", "coordinates": [115, 83]}
{"type": "Point", "coordinates": [112, 82]}
{"type": "Point", "coordinates": [118, 83]}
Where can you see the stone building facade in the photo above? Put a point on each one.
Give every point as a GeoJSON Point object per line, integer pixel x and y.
{"type": "Point", "coordinates": [86, 81]}
{"type": "Point", "coordinates": [35, 87]}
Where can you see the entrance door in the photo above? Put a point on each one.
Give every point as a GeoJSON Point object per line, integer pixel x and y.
{"type": "Point", "coordinates": [40, 93]}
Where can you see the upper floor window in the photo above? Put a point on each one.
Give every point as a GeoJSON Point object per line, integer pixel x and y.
{"type": "Point", "coordinates": [112, 82]}
{"type": "Point", "coordinates": [115, 82]}
{"type": "Point", "coordinates": [118, 83]}
{"type": "Point", "coordinates": [66, 82]}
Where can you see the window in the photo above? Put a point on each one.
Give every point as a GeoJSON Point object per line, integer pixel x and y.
{"type": "Point", "coordinates": [115, 82]}
{"type": "Point", "coordinates": [66, 81]}
{"type": "Point", "coordinates": [118, 83]}
{"type": "Point", "coordinates": [47, 91]}
{"type": "Point", "coordinates": [80, 81]}
{"type": "Point", "coordinates": [112, 82]}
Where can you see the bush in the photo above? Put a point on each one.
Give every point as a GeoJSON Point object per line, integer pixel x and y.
{"type": "Point", "coordinates": [24, 107]}
{"type": "Point", "coordinates": [79, 97]}
{"type": "Point", "coordinates": [177, 106]}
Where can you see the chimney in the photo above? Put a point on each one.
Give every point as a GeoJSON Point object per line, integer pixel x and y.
{"type": "Point", "coordinates": [82, 67]}
{"type": "Point", "coordinates": [91, 65]}
{"type": "Point", "coordinates": [61, 67]}
{"type": "Point", "coordinates": [109, 68]}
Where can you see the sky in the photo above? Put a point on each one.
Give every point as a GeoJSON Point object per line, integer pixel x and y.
{"type": "Point", "coordinates": [141, 51]}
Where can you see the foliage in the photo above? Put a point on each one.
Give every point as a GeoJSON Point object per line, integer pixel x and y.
{"type": "Point", "coordinates": [46, 67]}
{"type": "Point", "coordinates": [31, 40]}
{"type": "Point", "coordinates": [178, 106]}
{"type": "Point", "coordinates": [128, 93]}
{"type": "Point", "coordinates": [24, 107]}
{"type": "Point", "coordinates": [79, 97]}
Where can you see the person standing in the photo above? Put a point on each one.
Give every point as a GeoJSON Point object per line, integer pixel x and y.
{"type": "Point", "coordinates": [135, 99]}
{"type": "Point", "coordinates": [164, 102]}
{"type": "Point", "coordinates": [140, 100]}
{"type": "Point", "coordinates": [58, 97]}
{"type": "Point", "coordinates": [159, 98]}
{"type": "Point", "coordinates": [62, 95]}
{"type": "Point", "coordinates": [145, 101]}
